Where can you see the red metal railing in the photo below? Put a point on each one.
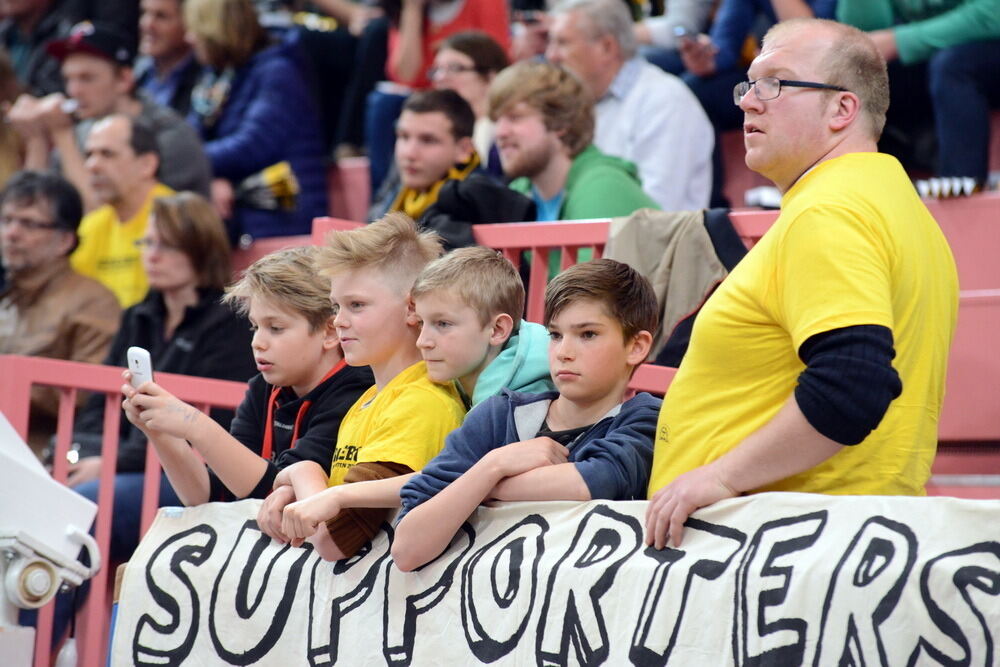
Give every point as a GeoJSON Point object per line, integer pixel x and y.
{"type": "Point", "coordinates": [17, 376]}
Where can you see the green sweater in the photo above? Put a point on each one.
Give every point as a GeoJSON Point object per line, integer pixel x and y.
{"type": "Point", "coordinates": [598, 186]}
{"type": "Point", "coordinates": [923, 27]}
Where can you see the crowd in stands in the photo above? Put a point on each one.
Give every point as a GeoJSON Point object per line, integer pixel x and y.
{"type": "Point", "coordinates": [144, 140]}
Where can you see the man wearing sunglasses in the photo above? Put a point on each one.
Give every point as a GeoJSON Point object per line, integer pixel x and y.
{"type": "Point", "coordinates": [818, 365]}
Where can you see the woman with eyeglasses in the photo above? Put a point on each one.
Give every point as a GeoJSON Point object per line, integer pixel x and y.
{"type": "Point", "coordinates": [185, 328]}
{"type": "Point", "coordinates": [467, 62]}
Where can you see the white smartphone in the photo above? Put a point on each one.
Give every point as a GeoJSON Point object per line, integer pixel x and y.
{"type": "Point", "coordinates": [140, 365]}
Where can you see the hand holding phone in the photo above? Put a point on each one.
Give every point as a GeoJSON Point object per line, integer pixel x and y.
{"type": "Point", "coordinates": [139, 365]}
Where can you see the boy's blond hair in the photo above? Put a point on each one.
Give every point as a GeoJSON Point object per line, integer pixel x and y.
{"type": "Point", "coordinates": [393, 245]}
{"type": "Point", "coordinates": [288, 279]}
{"type": "Point", "coordinates": [482, 278]}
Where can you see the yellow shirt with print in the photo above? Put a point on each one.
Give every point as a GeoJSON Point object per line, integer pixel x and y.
{"type": "Point", "coordinates": [854, 245]}
{"type": "Point", "coordinates": [405, 422]}
{"type": "Point", "coordinates": [107, 251]}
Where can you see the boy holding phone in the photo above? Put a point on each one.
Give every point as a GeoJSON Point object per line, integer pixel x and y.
{"type": "Point", "coordinates": [293, 407]}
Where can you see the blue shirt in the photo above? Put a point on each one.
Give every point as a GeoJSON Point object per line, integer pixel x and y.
{"type": "Point", "coordinates": [547, 209]}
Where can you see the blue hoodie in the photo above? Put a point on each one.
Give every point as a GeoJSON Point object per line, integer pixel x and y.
{"type": "Point", "coordinates": [613, 457]}
{"type": "Point", "coordinates": [522, 365]}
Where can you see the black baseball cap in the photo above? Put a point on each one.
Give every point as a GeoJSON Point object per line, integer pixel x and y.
{"type": "Point", "coordinates": [96, 39]}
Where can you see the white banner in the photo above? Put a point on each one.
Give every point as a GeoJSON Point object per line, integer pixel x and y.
{"type": "Point", "coordinates": [774, 579]}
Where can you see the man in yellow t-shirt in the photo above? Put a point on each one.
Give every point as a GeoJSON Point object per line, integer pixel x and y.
{"type": "Point", "coordinates": [122, 159]}
{"type": "Point", "coordinates": [819, 363]}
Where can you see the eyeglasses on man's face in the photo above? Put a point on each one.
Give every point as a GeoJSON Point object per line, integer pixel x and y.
{"type": "Point", "coordinates": [29, 224]}
{"type": "Point", "coordinates": [769, 87]}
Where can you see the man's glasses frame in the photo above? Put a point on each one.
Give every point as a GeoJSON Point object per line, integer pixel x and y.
{"type": "Point", "coordinates": [28, 223]}
{"type": "Point", "coordinates": [764, 86]}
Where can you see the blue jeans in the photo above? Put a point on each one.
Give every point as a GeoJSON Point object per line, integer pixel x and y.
{"type": "Point", "coordinates": [964, 84]}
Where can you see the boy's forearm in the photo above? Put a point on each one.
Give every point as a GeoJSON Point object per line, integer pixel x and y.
{"type": "Point", "coordinates": [236, 466]}
{"type": "Point", "coordinates": [557, 482]}
{"type": "Point", "coordinates": [374, 493]}
{"type": "Point", "coordinates": [188, 476]}
{"type": "Point", "coordinates": [307, 478]}
{"type": "Point", "coordinates": [428, 528]}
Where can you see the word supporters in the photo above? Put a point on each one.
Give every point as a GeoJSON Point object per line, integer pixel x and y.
{"type": "Point", "coordinates": [773, 579]}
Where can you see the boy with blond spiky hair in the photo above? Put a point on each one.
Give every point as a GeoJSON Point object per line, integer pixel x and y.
{"type": "Point", "coordinates": [399, 424]}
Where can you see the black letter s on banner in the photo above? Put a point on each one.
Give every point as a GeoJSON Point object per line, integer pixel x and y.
{"type": "Point", "coordinates": [150, 641]}
{"type": "Point", "coordinates": [975, 568]}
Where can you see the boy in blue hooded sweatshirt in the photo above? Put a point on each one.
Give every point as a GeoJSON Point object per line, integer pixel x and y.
{"type": "Point", "coordinates": [469, 304]}
{"type": "Point", "coordinates": [581, 443]}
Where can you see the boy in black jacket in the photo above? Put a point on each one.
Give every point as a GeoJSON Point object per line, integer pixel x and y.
{"type": "Point", "coordinates": [292, 410]}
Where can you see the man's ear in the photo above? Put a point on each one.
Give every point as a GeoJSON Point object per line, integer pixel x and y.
{"type": "Point", "coordinates": [503, 326]}
{"type": "Point", "coordinates": [637, 349]}
{"type": "Point", "coordinates": [609, 46]}
{"type": "Point", "coordinates": [66, 242]}
{"type": "Point", "coordinates": [464, 148]}
{"type": "Point", "coordinates": [846, 112]}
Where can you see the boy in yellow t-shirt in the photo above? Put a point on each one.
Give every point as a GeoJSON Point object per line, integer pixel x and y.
{"type": "Point", "coordinates": [399, 424]}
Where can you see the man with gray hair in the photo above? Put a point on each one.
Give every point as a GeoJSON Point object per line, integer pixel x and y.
{"type": "Point", "coordinates": [644, 115]}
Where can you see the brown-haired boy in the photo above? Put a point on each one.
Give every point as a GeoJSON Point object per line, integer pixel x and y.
{"type": "Point", "coordinates": [581, 443]}
{"type": "Point", "coordinates": [400, 424]}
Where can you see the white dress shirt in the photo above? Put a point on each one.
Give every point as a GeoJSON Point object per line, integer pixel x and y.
{"type": "Point", "coordinates": [653, 119]}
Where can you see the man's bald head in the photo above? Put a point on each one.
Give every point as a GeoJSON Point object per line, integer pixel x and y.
{"type": "Point", "coordinates": [849, 59]}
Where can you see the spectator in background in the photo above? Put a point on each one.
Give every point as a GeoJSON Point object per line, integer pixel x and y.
{"type": "Point", "coordinates": [187, 330]}
{"type": "Point", "coordinates": [659, 37]}
{"type": "Point", "coordinates": [166, 69]}
{"type": "Point", "coordinates": [97, 66]}
{"type": "Point", "coordinates": [260, 126]}
{"type": "Point", "coordinates": [714, 63]}
{"type": "Point", "coordinates": [545, 122]}
{"type": "Point", "coordinates": [416, 28]}
{"type": "Point", "coordinates": [644, 114]}
{"type": "Point", "coordinates": [442, 186]}
{"type": "Point", "coordinates": [47, 309]}
{"type": "Point", "coordinates": [27, 26]}
{"type": "Point", "coordinates": [467, 62]}
{"type": "Point", "coordinates": [122, 157]}
{"type": "Point", "coordinates": [949, 51]}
